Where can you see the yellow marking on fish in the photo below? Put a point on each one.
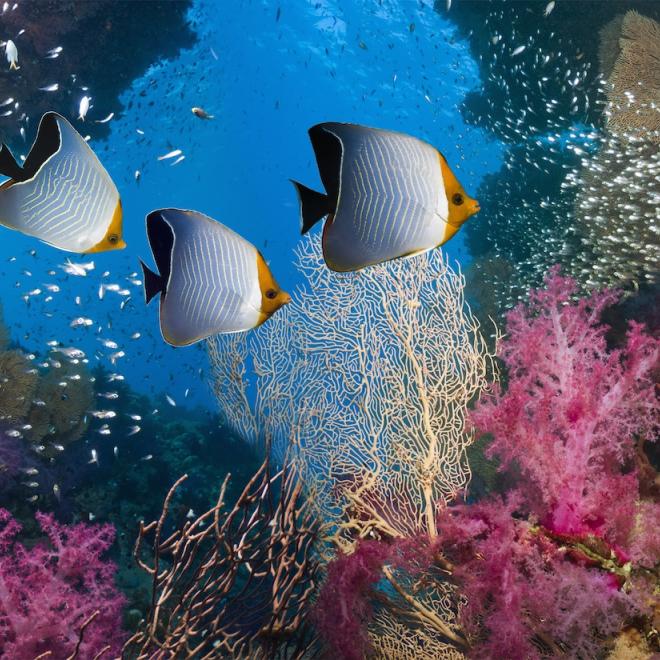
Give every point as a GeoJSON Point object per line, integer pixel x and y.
{"type": "Point", "coordinates": [269, 305]}
{"type": "Point", "coordinates": [112, 239]}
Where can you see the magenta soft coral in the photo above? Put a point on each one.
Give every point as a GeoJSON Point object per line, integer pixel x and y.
{"type": "Point", "coordinates": [558, 561]}
{"type": "Point", "coordinates": [572, 410]}
{"type": "Point", "coordinates": [48, 591]}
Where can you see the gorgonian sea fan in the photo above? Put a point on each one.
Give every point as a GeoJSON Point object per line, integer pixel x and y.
{"type": "Point", "coordinates": [48, 592]}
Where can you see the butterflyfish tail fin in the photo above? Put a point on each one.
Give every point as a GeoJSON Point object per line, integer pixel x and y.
{"type": "Point", "coordinates": [313, 206]}
{"type": "Point", "coordinates": [153, 283]}
{"type": "Point", "coordinates": [8, 165]}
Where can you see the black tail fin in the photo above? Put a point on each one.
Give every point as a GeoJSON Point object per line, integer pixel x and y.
{"type": "Point", "coordinates": [153, 283]}
{"type": "Point", "coordinates": [8, 165]}
{"type": "Point", "coordinates": [313, 206]}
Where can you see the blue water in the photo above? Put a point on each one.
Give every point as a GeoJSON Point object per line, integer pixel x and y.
{"type": "Point", "coordinates": [396, 65]}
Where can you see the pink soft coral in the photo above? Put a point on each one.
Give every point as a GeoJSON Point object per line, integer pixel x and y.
{"type": "Point", "coordinates": [572, 411]}
{"type": "Point", "coordinates": [522, 591]}
{"type": "Point", "coordinates": [48, 591]}
{"type": "Point", "coordinates": [556, 562]}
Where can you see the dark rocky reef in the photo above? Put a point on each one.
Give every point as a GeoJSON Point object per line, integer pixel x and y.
{"type": "Point", "coordinates": [105, 45]}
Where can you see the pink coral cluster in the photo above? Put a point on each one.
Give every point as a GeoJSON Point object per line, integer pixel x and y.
{"type": "Point", "coordinates": [47, 592]}
{"type": "Point", "coordinates": [560, 562]}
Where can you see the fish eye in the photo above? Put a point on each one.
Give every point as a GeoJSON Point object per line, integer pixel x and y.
{"type": "Point", "coordinates": [271, 293]}
{"type": "Point", "coordinates": [113, 239]}
{"type": "Point", "coordinates": [457, 199]}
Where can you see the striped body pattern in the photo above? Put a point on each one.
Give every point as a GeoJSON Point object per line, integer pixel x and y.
{"type": "Point", "coordinates": [213, 284]}
{"type": "Point", "coordinates": [69, 203]}
{"type": "Point", "coordinates": [392, 199]}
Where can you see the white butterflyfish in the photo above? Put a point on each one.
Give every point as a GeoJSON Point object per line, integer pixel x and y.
{"type": "Point", "coordinates": [388, 195]}
{"type": "Point", "coordinates": [210, 279]}
{"type": "Point", "coordinates": [62, 194]}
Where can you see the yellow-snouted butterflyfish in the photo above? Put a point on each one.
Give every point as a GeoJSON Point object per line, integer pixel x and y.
{"type": "Point", "coordinates": [62, 195]}
{"type": "Point", "coordinates": [210, 279]}
{"type": "Point", "coordinates": [388, 195]}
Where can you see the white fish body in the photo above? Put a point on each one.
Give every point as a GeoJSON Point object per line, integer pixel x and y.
{"type": "Point", "coordinates": [12, 54]}
{"type": "Point", "coordinates": [83, 107]}
{"type": "Point", "coordinates": [170, 154]}
{"type": "Point", "coordinates": [67, 200]}
{"type": "Point", "coordinates": [105, 120]}
{"type": "Point", "coordinates": [50, 88]}
{"type": "Point", "coordinates": [391, 195]}
{"type": "Point", "coordinates": [213, 285]}
{"type": "Point", "coordinates": [548, 8]}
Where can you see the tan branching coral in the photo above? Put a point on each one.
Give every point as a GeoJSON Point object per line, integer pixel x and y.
{"type": "Point", "coordinates": [234, 582]}
{"type": "Point", "coordinates": [630, 59]}
{"type": "Point", "coordinates": [18, 380]}
{"type": "Point", "coordinates": [368, 375]}
{"type": "Point", "coordinates": [62, 398]}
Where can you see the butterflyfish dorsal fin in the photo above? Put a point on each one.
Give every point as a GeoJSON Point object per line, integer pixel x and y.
{"type": "Point", "coordinates": [161, 240]}
{"type": "Point", "coordinates": [46, 143]}
{"type": "Point", "coordinates": [328, 151]}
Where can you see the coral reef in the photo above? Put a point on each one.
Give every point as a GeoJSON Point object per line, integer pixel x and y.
{"type": "Point", "coordinates": [389, 358]}
{"type": "Point", "coordinates": [103, 47]}
{"type": "Point", "coordinates": [366, 379]}
{"type": "Point", "coordinates": [570, 554]}
{"type": "Point", "coordinates": [235, 581]}
{"type": "Point", "coordinates": [58, 596]}
{"type": "Point", "coordinates": [64, 395]}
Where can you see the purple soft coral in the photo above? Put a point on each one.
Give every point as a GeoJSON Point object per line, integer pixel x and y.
{"type": "Point", "coordinates": [47, 592]}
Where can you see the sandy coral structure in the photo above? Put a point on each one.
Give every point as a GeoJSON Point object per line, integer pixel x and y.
{"type": "Point", "coordinates": [62, 398]}
{"type": "Point", "coordinates": [617, 208]}
{"type": "Point", "coordinates": [629, 54]}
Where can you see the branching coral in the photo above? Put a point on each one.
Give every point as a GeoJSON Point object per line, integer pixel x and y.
{"type": "Point", "coordinates": [366, 379]}
{"type": "Point", "coordinates": [49, 592]}
{"type": "Point", "coordinates": [235, 581]}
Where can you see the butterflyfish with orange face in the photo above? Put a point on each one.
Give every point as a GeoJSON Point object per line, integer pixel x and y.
{"type": "Point", "coordinates": [210, 279]}
{"type": "Point", "coordinates": [62, 195]}
{"type": "Point", "coordinates": [388, 195]}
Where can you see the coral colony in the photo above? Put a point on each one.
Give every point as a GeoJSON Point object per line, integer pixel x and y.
{"type": "Point", "coordinates": [404, 465]}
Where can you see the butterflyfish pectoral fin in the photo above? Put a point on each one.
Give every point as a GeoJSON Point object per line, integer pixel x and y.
{"type": "Point", "coordinates": [313, 206]}
{"type": "Point", "coordinates": [153, 283]}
